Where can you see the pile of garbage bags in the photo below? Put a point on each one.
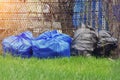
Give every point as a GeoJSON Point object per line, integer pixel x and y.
{"type": "Point", "coordinates": [50, 44]}
{"type": "Point", "coordinates": [89, 41]}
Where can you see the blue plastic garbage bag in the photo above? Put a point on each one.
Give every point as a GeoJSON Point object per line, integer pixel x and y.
{"type": "Point", "coordinates": [19, 45]}
{"type": "Point", "coordinates": [51, 44]}
{"type": "Point", "coordinates": [6, 44]}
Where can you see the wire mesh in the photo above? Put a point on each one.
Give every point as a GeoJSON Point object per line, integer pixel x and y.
{"type": "Point", "coordinates": [41, 15]}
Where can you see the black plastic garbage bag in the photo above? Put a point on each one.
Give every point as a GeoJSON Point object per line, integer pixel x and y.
{"type": "Point", "coordinates": [106, 44]}
{"type": "Point", "coordinates": [84, 40]}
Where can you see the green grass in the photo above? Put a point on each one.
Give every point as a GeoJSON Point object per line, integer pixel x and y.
{"type": "Point", "coordinates": [74, 68]}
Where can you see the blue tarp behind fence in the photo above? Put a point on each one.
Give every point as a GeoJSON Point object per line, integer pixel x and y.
{"type": "Point", "coordinates": [89, 13]}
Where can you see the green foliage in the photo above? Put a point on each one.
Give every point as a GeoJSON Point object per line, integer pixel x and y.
{"type": "Point", "coordinates": [74, 68]}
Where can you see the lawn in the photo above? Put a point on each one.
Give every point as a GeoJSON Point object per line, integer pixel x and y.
{"type": "Point", "coordinates": [73, 68]}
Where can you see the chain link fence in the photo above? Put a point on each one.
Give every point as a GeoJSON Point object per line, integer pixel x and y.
{"type": "Point", "coordinates": [38, 16]}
